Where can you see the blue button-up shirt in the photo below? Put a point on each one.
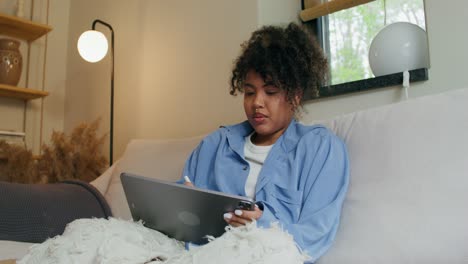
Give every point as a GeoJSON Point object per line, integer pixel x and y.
{"type": "Point", "coordinates": [301, 185]}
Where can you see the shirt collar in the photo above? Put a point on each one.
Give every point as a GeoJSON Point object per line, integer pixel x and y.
{"type": "Point", "coordinates": [236, 136]}
{"type": "Point", "coordinates": [291, 136]}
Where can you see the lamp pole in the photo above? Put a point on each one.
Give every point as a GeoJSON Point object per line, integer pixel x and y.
{"type": "Point", "coordinates": [111, 133]}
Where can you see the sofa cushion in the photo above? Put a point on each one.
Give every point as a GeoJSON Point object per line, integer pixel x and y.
{"type": "Point", "coordinates": [162, 159]}
{"type": "Point", "coordinates": [407, 199]}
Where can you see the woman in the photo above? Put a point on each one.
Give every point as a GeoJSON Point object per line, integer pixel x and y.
{"type": "Point", "coordinates": [298, 175]}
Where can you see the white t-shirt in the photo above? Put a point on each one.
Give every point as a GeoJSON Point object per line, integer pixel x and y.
{"type": "Point", "coordinates": [255, 156]}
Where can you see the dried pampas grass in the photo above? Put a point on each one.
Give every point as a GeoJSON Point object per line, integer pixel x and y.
{"type": "Point", "coordinates": [17, 164]}
{"type": "Point", "coordinates": [77, 156]}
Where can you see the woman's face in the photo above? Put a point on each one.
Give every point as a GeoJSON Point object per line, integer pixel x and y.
{"type": "Point", "coordinates": [266, 108]}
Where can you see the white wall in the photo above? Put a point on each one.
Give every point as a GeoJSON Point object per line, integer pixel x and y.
{"type": "Point", "coordinates": [173, 60]}
{"type": "Point", "coordinates": [278, 12]}
{"type": "Point", "coordinates": [56, 70]}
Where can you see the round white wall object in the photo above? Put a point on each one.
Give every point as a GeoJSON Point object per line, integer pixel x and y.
{"type": "Point", "coordinates": [399, 47]}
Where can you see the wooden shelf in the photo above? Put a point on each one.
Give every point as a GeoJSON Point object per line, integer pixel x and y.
{"type": "Point", "coordinates": [27, 30]}
{"type": "Point", "coordinates": [22, 28]}
{"type": "Point", "coordinates": [21, 93]}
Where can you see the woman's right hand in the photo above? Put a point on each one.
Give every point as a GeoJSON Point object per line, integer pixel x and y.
{"type": "Point", "coordinates": [242, 217]}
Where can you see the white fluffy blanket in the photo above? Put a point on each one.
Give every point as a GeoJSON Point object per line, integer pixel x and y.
{"type": "Point", "coordinates": [118, 241]}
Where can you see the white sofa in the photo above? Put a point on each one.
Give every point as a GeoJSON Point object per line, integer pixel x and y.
{"type": "Point", "coordinates": [408, 195]}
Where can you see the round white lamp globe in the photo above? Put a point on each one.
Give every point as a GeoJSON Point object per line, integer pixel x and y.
{"type": "Point", "coordinates": [399, 47]}
{"type": "Point", "coordinates": [92, 45]}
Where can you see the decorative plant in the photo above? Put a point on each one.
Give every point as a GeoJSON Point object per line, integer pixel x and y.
{"type": "Point", "coordinates": [19, 166]}
{"type": "Point", "coordinates": [77, 156]}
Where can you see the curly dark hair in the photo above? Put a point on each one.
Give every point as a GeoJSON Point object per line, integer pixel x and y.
{"type": "Point", "coordinates": [289, 57]}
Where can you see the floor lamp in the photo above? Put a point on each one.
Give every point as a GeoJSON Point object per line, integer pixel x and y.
{"type": "Point", "coordinates": [93, 47]}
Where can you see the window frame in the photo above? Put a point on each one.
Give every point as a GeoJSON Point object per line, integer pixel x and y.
{"type": "Point", "coordinates": [316, 27]}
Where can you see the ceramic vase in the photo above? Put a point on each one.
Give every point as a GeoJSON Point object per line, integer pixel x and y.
{"type": "Point", "coordinates": [11, 61]}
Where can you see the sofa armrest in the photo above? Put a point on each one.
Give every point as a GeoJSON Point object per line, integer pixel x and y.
{"type": "Point", "coordinates": [35, 212]}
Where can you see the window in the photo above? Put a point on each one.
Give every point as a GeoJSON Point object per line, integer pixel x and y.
{"type": "Point", "coordinates": [347, 35]}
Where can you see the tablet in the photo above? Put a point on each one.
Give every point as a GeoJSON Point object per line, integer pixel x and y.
{"type": "Point", "coordinates": [185, 213]}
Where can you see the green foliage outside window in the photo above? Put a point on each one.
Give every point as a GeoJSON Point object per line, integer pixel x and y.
{"type": "Point", "coordinates": [350, 33]}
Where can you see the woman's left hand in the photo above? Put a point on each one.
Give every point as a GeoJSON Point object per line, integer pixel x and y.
{"type": "Point", "coordinates": [242, 217]}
